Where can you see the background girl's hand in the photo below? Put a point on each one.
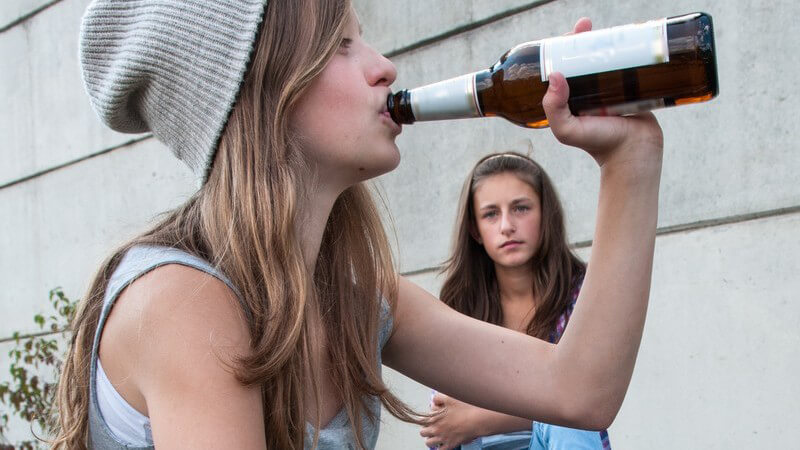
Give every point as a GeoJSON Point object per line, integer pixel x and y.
{"type": "Point", "coordinates": [636, 138]}
{"type": "Point", "coordinates": [452, 425]}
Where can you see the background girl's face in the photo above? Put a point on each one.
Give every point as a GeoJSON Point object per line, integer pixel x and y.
{"type": "Point", "coordinates": [508, 216]}
{"type": "Point", "coordinates": [342, 115]}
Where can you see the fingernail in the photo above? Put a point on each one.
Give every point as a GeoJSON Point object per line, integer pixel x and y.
{"type": "Point", "coordinates": [554, 84]}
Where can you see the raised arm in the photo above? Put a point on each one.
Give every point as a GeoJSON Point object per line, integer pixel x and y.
{"type": "Point", "coordinates": [598, 350]}
{"type": "Point", "coordinates": [580, 383]}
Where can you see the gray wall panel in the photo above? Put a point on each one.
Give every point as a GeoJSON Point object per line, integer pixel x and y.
{"type": "Point", "coordinates": [58, 228]}
{"type": "Point", "coordinates": [45, 118]}
{"type": "Point", "coordinates": [14, 10]}
{"type": "Point", "coordinates": [390, 26]}
{"type": "Point", "coordinates": [721, 343]}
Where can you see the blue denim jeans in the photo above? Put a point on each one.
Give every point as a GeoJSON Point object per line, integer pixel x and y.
{"type": "Point", "coordinates": [542, 437]}
{"type": "Point", "coordinates": [552, 437]}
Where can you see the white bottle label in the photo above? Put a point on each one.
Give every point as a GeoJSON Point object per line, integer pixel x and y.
{"type": "Point", "coordinates": [448, 99]}
{"type": "Point", "coordinates": [598, 51]}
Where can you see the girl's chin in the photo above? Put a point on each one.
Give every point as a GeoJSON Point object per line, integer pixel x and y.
{"type": "Point", "coordinates": [368, 173]}
{"type": "Point", "coordinates": [381, 164]}
{"type": "Point", "coordinates": [513, 263]}
{"type": "Point", "coordinates": [392, 157]}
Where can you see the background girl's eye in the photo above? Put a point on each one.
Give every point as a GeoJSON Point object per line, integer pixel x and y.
{"type": "Point", "coordinates": [346, 42]}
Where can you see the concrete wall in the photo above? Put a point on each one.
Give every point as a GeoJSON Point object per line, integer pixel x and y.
{"type": "Point", "coordinates": [721, 343]}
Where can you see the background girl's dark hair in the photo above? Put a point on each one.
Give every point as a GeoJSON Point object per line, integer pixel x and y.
{"type": "Point", "coordinates": [470, 285]}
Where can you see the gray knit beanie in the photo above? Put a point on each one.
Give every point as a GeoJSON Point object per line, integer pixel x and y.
{"type": "Point", "coordinates": [173, 67]}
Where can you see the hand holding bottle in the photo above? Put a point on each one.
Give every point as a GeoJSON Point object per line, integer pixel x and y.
{"type": "Point", "coordinates": [600, 136]}
{"type": "Point", "coordinates": [636, 138]}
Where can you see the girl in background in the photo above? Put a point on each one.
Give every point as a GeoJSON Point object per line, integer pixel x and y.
{"type": "Point", "coordinates": [511, 266]}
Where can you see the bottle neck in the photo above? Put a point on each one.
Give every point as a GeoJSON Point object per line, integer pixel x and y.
{"type": "Point", "coordinates": [449, 99]}
{"type": "Point", "coordinates": [399, 106]}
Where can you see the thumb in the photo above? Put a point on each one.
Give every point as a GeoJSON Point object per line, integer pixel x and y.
{"type": "Point", "coordinates": [582, 25]}
{"type": "Point", "coordinates": [560, 118]}
{"type": "Point", "coordinates": [439, 399]}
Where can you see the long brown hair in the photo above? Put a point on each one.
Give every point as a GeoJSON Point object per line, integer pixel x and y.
{"type": "Point", "coordinates": [244, 221]}
{"type": "Point", "coordinates": [470, 285]}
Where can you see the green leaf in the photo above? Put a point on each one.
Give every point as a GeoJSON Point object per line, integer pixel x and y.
{"type": "Point", "coordinates": [33, 364]}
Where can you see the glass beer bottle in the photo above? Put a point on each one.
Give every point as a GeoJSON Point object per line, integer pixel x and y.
{"type": "Point", "coordinates": [614, 71]}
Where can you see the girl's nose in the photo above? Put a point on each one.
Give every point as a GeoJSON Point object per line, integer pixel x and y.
{"type": "Point", "coordinates": [383, 71]}
{"type": "Point", "coordinates": [506, 226]}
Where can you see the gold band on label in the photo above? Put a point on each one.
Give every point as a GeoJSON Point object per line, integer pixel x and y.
{"type": "Point", "coordinates": [473, 94]}
{"type": "Point", "coordinates": [415, 105]}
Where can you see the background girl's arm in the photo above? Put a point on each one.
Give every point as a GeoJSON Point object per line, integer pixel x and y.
{"type": "Point", "coordinates": [460, 422]}
{"type": "Point", "coordinates": [583, 381]}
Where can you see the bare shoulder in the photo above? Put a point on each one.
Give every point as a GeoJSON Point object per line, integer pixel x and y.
{"type": "Point", "coordinates": [173, 341]}
{"type": "Point", "coordinates": [170, 347]}
{"type": "Point", "coordinates": [175, 307]}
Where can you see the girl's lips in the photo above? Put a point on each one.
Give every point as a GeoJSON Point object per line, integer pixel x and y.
{"type": "Point", "coordinates": [388, 118]}
{"type": "Point", "coordinates": [511, 244]}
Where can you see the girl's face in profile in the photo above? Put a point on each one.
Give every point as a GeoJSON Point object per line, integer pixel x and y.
{"type": "Point", "coordinates": [342, 116]}
{"type": "Point", "coordinates": [508, 216]}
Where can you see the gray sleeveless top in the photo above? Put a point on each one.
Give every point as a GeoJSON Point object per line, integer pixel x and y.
{"type": "Point", "coordinates": [140, 260]}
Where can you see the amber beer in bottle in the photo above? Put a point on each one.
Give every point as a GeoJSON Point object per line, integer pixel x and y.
{"type": "Point", "coordinates": [615, 71]}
